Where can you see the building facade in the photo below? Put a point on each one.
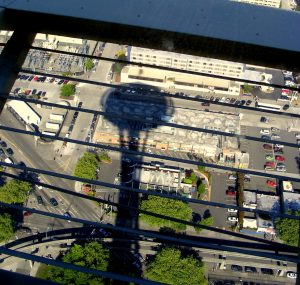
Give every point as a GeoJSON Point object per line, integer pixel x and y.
{"type": "Point", "coordinates": [269, 3]}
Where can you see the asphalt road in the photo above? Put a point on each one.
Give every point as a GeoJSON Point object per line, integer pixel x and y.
{"type": "Point", "coordinates": [41, 157]}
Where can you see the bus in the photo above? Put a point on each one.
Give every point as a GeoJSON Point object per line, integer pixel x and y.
{"type": "Point", "coordinates": [266, 106]}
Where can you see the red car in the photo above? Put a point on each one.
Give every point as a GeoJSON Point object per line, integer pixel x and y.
{"type": "Point", "coordinates": [271, 183]}
{"type": "Point", "coordinates": [279, 158]}
{"type": "Point", "coordinates": [26, 214]}
{"type": "Point", "coordinates": [230, 193]}
{"type": "Point", "coordinates": [270, 163]}
{"type": "Point", "coordinates": [267, 146]}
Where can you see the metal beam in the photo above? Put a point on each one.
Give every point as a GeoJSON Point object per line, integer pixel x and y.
{"type": "Point", "coordinates": [218, 29]}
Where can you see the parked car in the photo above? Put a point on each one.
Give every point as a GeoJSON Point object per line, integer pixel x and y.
{"type": "Point", "coordinates": [26, 214]}
{"type": "Point", "coordinates": [269, 157]}
{"type": "Point", "coordinates": [264, 137]}
{"type": "Point", "coordinates": [67, 214]}
{"type": "Point", "coordinates": [285, 107]}
{"type": "Point", "coordinates": [264, 120]}
{"type": "Point", "coordinates": [281, 169]}
{"type": "Point", "coordinates": [53, 202]}
{"type": "Point", "coordinates": [230, 192]}
{"type": "Point", "coordinates": [270, 163]}
{"type": "Point", "coordinates": [9, 152]}
{"type": "Point", "coordinates": [232, 210]}
{"type": "Point", "coordinates": [40, 200]}
{"type": "Point", "coordinates": [3, 144]}
{"type": "Point", "coordinates": [232, 177]}
{"type": "Point", "coordinates": [279, 146]}
{"type": "Point", "coordinates": [265, 131]}
{"type": "Point", "coordinates": [232, 219]}
{"type": "Point", "coordinates": [291, 274]}
{"type": "Point", "coordinates": [278, 150]}
{"type": "Point", "coordinates": [267, 271]}
{"type": "Point", "coordinates": [205, 104]}
{"type": "Point", "coordinates": [273, 129]}
{"type": "Point", "coordinates": [279, 158]}
{"type": "Point", "coordinates": [267, 146]}
{"type": "Point", "coordinates": [250, 269]}
{"type": "Point", "coordinates": [235, 267]}
{"type": "Point", "coordinates": [275, 136]}
{"type": "Point", "coordinates": [297, 136]}
{"type": "Point", "coordinates": [271, 183]}
{"type": "Point", "coordinates": [248, 102]}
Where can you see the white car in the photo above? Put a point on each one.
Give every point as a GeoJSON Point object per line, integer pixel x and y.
{"type": "Point", "coordinates": [287, 73]}
{"type": "Point", "coordinates": [275, 136]}
{"type": "Point", "coordinates": [291, 274]}
{"type": "Point", "coordinates": [279, 145]}
{"type": "Point", "coordinates": [232, 210]}
{"type": "Point", "coordinates": [265, 131]}
{"type": "Point", "coordinates": [297, 136]}
{"type": "Point", "coordinates": [273, 129]}
{"type": "Point", "coordinates": [232, 219]}
{"type": "Point", "coordinates": [232, 177]}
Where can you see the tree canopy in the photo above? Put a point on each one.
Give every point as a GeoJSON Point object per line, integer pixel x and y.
{"type": "Point", "coordinates": [117, 67]}
{"type": "Point", "coordinates": [14, 191]}
{"type": "Point", "coordinates": [167, 207]}
{"type": "Point", "coordinates": [86, 166]}
{"type": "Point", "coordinates": [288, 229]}
{"type": "Point", "coordinates": [91, 255]}
{"type": "Point", "coordinates": [88, 64]}
{"type": "Point", "coordinates": [6, 227]}
{"type": "Point", "coordinates": [171, 266]}
{"type": "Point", "coordinates": [247, 88]}
{"type": "Point", "coordinates": [205, 222]}
{"type": "Point", "coordinates": [67, 90]}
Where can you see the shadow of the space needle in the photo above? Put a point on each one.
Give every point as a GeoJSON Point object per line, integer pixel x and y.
{"type": "Point", "coordinates": [133, 135]}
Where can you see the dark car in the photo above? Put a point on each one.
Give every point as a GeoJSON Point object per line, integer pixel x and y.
{"type": "Point", "coordinates": [267, 271]}
{"type": "Point", "coordinates": [237, 102]}
{"type": "Point", "coordinates": [76, 114]}
{"type": "Point", "coordinates": [264, 137]}
{"type": "Point", "coordinates": [60, 82]}
{"type": "Point", "coordinates": [205, 104]}
{"type": "Point", "coordinates": [80, 104]}
{"type": "Point", "coordinates": [248, 102]}
{"type": "Point", "coordinates": [285, 107]}
{"type": "Point", "coordinates": [40, 93]}
{"type": "Point", "coordinates": [2, 152]}
{"type": "Point", "coordinates": [22, 164]}
{"type": "Point", "coordinates": [250, 269]}
{"type": "Point", "coordinates": [16, 90]}
{"type": "Point", "coordinates": [44, 93]}
{"type": "Point", "coordinates": [25, 230]}
{"type": "Point", "coordinates": [40, 200]}
{"type": "Point", "coordinates": [67, 214]}
{"type": "Point", "coordinates": [9, 152]}
{"type": "Point", "coordinates": [3, 144]}
{"type": "Point", "coordinates": [243, 102]}
{"type": "Point", "coordinates": [53, 202]}
{"type": "Point", "coordinates": [30, 78]}
{"type": "Point", "coordinates": [235, 267]}
{"type": "Point", "coordinates": [33, 91]}
{"type": "Point", "coordinates": [264, 120]}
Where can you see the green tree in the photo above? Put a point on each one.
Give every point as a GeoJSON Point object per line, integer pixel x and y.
{"type": "Point", "coordinates": [187, 180]}
{"type": "Point", "coordinates": [88, 64]}
{"type": "Point", "coordinates": [67, 73]}
{"type": "Point", "coordinates": [167, 207]}
{"type": "Point", "coordinates": [171, 266]}
{"type": "Point", "coordinates": [201, 189]}
{"type": "Point", "coordinates": [86, 166]}
{"type": "Point", "coordinates": [201, 168]}
{"type": "Point", "coordinates": [247, 88]}
{"type": "Point", "coordinates": [117, 67]}
{"type": "Point", "coordinates": [205, 222]}
{"type": "Point", "coordinates": [6, 227]}
{"type": "Point", "coordinates": [91, 255]}
{"type": "Point", "coordinates": [67, 90]}
{"type": "Point", "coordinates": [103, 156]}
{"type": "Point", "coordinates": [14, 191]}
{"type": "Point", "coordinates": [288, 229]}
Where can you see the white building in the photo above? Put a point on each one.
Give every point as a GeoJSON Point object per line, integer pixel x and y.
{"type": "Point", "coordinates": [269, 3]}
{"type": "Point", "coordinates": [176, 80]}
{"type": "Point", "coordinates": [185, 62]}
